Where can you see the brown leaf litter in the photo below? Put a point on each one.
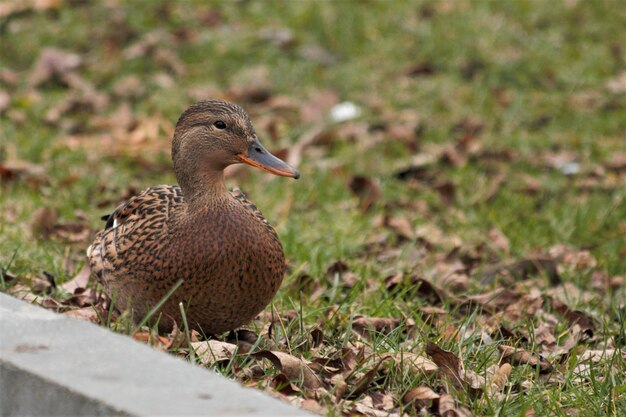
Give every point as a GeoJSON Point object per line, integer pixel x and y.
{"type": "Point", "coordinates": [518, 356]}
{"type": "Point", "coordinates": [211, 352]}
{"type": "Point", "coordinates": [54, 64]}
{"type": "Point", "coordinates": [522, 269]}
{"type": "Point", "coordinates": [367, 191]}
{"type": "Point", "coordinates": [420, 397]}
{"type": "Point", "coordinates": [79, 281]}
{"type": "Point", "coordinates": [365, 326]}
{"type": "Point", "coordinates": [295, 369]}
{"type": "Point", "coordinates": [352, 378]}
{"type": "Point", "coordinates": [452, 367]}
{"type": "Point", "coordinates": [34, 175]}
{"type": "Point", "coordinates": [46, 225]}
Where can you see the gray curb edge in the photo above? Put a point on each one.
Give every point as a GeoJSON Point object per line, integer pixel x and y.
{"type": "Point", "coordinates": [54, 365]}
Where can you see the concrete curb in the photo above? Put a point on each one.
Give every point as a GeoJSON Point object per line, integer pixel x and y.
{"type": "Point", "coordinates": [54, 365]}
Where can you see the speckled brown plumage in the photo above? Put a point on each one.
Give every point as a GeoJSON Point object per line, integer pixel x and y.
{"type": "Point", "coordinates": [219, 243]}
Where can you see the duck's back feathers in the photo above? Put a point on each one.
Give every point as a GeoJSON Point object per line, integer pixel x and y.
{"type": "Point", "coordinates": [155, 201]}
{"type": "Point", "coordinates": [159, 201]}
{"type": "Point", "coordinates": [140, 221]}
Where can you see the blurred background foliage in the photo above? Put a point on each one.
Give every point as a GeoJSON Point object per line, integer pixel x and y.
{"type": "Point", "coordinates": [475, 131]}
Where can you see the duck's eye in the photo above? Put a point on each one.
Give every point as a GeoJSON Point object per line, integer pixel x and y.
{"type": "Point", "coordinates": [219, 124]}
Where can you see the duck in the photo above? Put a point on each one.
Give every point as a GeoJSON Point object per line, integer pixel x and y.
{"type": "Point", "coordinates": [216, 242]}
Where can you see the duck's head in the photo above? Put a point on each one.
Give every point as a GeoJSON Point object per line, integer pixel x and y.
{"type": "Point", "coordinates": [213, 134]}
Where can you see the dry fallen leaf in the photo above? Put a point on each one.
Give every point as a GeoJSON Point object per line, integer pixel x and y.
{"type": "Point", "coordinates": [23, 292]}
{"type": "Point", "coordinates": [214, 351]}
{"type": "Point", "coordinates": [54, 64]}
{"type": "Point", "coordinates": [316, 53]}
{"type": "Point", "coordinates": [285, 316]}
{"type": "Point", "coordinates": [295, 369]}
{"type": "Point", "coordinates": [518, 356]}
{"type": "Point", "coordinates": [597, 355]}
{"type": "Point", "coordinates": [84, 297]}
{"type": "Point", "coordinates": [448, 408]}
{"type": "Point", "coordinates": [244, 339]}
{"type": "Point", "coordinates": [251, 85]}
{"type": "Point", "coordinates": [279, 36]}
{"type": "Point", "coordinates": [7, 276]}
{"type": "Point", "coordinates": [339, 270]}
{"type": "Point", "coordinates": [309, 404]}
{"type": "Point", "coordinates": [544, 334]}
{"type": "Point", "coordinates": [281, 384]}
{"type": "Point", "coordinates": [45, 225]}
{"type": "Point", "coordinates": [85, 313]}
{"type": "Point", "coordinates": [447, 192]}
{"type": "Point", "coordinates": [497, 300]}
{"type": "Point", "coordinates": [307, 285]}
{"type": "Point", "coordinates": [401, 226]}
{"type": "Point", "coordinates": [574, 257]}
{"type": "Point", "coordinates": [429, 291]}
{"type": "Point", "coordinates": [316, 107]}
{"type": "Point", "coordinates": [361, 385]}
{"type": "Point", "coordinates": [366, 189]}
{"type": "Point", "coordinates": [79, 281]}
{"type": "Point", "coordinates": [9, 8]}
{"type": "Point", "coordinates": [415, 362]}
{"type": "Point", "coordinates": [421, 69]}
{"type": "Point", "coordinates": [43, 284]}
{"type": "Point", "coordinates": [617, 85]}
{"type": "Point", "coordinates": [617, 162]}
{"type": "Point", "coordinates": [32, 174]}
{"type": "Point", "coordinates": [43, 221]}
{"type": "Point", "coordinates": [522, 269]}
{"type": "Point", "coordinates": [392, 282]}
{"type": "Point", "coordinates": [584, 320]}
{"type": "Point", "coordinates": [151, 338]}
{"type": "Point", "coordinates": [342, 361]}
{"type": "Point", "coordinates": [365, 410]}
{"type": "Point", "coordinates": [451, 366]}
{"type": "Point", "coordinates": [87, 101]}
{"type": "Point", "coordinates": [365, 326]}
{"type": "Point", "coordinates": [381, 400]}
{"type": "Point", "coordinates": [499, 240]}
{"type": "Point", "coordinates": [499, 379]}
{"type": "Point", "coordinates": [420, 397]}
{"type": "Point", "coordinates": [420, 171]}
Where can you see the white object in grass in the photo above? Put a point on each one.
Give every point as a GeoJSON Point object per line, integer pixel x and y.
{"type": "Point", "coordinates": [344, 111]}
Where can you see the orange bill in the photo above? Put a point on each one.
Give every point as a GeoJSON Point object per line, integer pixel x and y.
{"type": "Point", "coordinates": [257, 156]}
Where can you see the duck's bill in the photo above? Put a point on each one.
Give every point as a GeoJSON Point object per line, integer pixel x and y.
{"type": "Point", "coordinates": [259, 157]}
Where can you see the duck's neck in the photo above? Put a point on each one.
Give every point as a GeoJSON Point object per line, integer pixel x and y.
{"type": "Point", "coordinates": [203, 189]}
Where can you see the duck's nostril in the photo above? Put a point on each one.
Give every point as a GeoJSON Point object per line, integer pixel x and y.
{"type": "Point", "coordinates": [259, 150]}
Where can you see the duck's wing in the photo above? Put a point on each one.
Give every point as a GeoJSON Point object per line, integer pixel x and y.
{"type": "Point", "coordinates": [135, 222]}
{"type": "Point", "coordinates": [251, 208]}
{"type": "Point", "coordinates": [154, 202]}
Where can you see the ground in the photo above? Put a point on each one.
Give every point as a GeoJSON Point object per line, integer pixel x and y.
{"type": "Point", "coordinates": [456, 243]}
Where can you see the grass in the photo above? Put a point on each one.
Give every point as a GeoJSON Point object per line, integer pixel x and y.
{"type": "Point", "coordinates": [533, 74]}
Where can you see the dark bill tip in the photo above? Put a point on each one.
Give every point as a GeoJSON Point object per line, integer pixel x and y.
{"type": "Point", "coordinates": [257, 156]}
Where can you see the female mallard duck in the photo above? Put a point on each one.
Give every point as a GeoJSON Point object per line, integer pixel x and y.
{"type": "Point", "coordinates": [229, 257]}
